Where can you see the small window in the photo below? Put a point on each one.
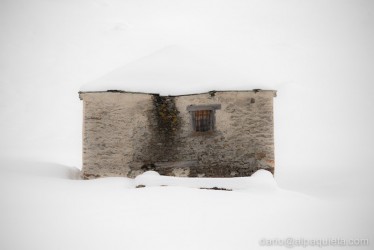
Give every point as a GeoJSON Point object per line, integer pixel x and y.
{"type": "Point", "coordinates": [203, 117]}
{"type": "Point", "coordinates": [202, 120]}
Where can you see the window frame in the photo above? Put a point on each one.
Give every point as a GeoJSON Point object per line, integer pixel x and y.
{"type": "Point", "coordinates": [212, 119]}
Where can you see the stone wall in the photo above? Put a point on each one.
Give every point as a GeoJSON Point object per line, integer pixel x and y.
{"type": "Point", "coordinates": [125, 134]}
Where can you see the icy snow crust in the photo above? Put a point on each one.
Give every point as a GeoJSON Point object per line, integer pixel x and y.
{"type": "Point", "coordinates": [259, 180]}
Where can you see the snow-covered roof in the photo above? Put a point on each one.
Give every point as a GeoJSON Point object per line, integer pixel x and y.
{"type": "Point", "coordinates": [170, 71]}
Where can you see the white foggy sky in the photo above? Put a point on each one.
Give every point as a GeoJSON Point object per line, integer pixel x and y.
{"type": "Point", "coordinates": [318, 55]}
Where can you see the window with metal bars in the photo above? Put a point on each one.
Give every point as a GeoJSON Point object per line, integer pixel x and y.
{"type": "Point", "coordinates": [203, 117]}
{"type": "Point", "coordinates": [202, 120]}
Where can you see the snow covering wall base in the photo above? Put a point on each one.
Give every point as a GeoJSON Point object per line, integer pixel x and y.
{"type": "Point", "coordinates": [126, 134]}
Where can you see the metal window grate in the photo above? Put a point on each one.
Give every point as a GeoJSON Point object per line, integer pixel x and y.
{"type": "Point", "coordinates": [203, 120]}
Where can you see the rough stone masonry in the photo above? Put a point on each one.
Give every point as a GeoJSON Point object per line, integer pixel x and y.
{"type": "Point", "coordinates": [214, 134]}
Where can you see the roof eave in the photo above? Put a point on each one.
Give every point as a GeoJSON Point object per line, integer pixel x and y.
{"type": "Point", "coordinates": [144, 93]}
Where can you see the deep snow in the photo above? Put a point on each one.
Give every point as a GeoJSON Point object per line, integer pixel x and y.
{"type": "Point", "coordinates": [45, 206]}
{"type": "Point", "coordinates": [173, 70]}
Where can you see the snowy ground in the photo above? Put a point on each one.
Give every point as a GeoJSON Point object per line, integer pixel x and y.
{"type": "Point", "coordinates": [318, 55]}
{"type": "Point", "coordinates": [46, 206]}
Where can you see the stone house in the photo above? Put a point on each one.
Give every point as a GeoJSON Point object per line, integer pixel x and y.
{"type": "Point", "coordinates": [213, 134]}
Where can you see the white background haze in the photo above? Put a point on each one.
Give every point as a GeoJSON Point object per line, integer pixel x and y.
{"type": "Point", "coordinates": [318, 54]}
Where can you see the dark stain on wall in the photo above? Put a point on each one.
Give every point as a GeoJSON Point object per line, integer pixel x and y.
{"type": "Point", "coordinates": [165, 124]}
{"type": "Point", "coordinates": [166, 114]}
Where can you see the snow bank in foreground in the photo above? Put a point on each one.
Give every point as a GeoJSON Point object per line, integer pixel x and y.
{"type": "Point", "coordinates": [262, 179]}
{"type": "Point", "coordinates": [43, 207]}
